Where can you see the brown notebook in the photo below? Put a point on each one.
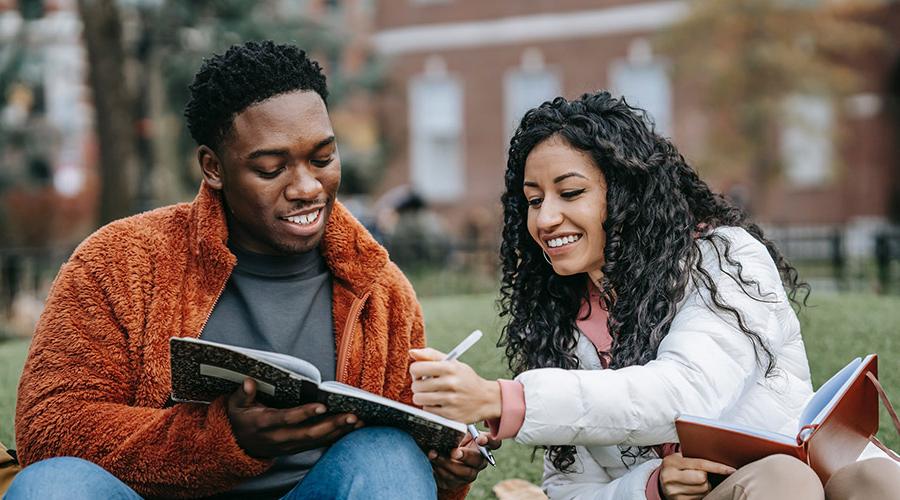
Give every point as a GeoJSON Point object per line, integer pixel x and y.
{"type": "Point", "coordinates": [836, 425]}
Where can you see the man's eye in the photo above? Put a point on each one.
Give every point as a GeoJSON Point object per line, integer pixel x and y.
{"type": "Point", "coordinates": [323, 162]}
{"type": "Point", "coordinates": [572, 194]}
{"type": "Point", "coordinates": [269, 174]}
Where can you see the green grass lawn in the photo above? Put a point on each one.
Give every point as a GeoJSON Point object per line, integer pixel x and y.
{"type": "Point", "coordinates": [836, 328]}
{"type": "Point", "coordinates": [12, 357]}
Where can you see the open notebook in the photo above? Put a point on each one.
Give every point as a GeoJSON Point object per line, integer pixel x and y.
{"type": "Point", "coordinates": [204, 370]}
{"type": "Point", "coordinates": [834, 427]}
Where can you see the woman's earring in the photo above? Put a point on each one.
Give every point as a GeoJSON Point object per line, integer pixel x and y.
{"type": "Point", "coordinates": [546, 257]}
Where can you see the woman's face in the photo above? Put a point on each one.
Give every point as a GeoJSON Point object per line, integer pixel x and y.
{"type": "Point", "coordinates": [566, 195]}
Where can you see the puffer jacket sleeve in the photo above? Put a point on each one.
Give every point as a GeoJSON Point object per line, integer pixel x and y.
{"type": "Point", "coordinates": [703, 366]}
{"type": "Point", "coordinates": [584, 483]}
{"type": "Point", "coordinates": [76, 399]}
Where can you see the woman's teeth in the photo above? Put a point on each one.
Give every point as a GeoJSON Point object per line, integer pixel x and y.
{"type": "Point", "coordinates": [305, 219]}
{"type": "Point", "coordinates": [565, 240]}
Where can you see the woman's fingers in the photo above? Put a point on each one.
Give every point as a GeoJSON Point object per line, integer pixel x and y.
{"type": "Point", "coordinates": [433, 399]}
{"type": "Point", "coordinates": [707, 466]}
{"type": "Point", "coordinates": [691, 477]}
{"type": "Point", "coordinates": [678, 461]}
{"type": "Point", "coordinates": [681, 491]}
{"type": "Point", "coordinates": [423, 369]}
{"type": "Point", "coordinates": [685, 478]}
{"type": "Point", "coordinates": [435, 384]}
{"type": "Point", "coordinates": [426, 354]}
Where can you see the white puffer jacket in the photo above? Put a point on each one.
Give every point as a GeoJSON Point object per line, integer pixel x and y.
{"type": "Point", "coordinates": [705, 366]}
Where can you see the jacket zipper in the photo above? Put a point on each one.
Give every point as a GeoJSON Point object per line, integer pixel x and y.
{"type": "Point", "coordinates": [347, 339]}
{"type": "Point", "coordinates": [211, 309]}
{"type": "Point", "coordinates": [169, 401]}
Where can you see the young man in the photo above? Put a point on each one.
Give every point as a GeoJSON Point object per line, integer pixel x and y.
{"type": "Point", "coordinates": [264, 257]}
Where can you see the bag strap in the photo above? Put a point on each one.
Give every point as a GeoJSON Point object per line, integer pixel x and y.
{"type": "Point", "coordinates": [7, 457]}
{"type": "Point", "coordinates": [890, 408]}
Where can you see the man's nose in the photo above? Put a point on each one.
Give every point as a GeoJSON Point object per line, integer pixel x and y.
{"type": "Point", "coordinates": [303, 186]}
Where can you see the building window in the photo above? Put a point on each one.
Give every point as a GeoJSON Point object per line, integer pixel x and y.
{"type": "Point", "coordinates": [643, 81]}
{"type": "Point", "coordinates": [806, 140]}
{"type": "Point", "coordinates": [436, 118]}
{"type": "Point", "coordinates": [525, 89]}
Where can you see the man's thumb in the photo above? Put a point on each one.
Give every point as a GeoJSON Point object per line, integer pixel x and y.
{"type": "Point", "coordinates": [246, 394]}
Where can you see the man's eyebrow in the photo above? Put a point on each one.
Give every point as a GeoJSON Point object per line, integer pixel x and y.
{"type": "Point", "coordinates": [557, 180]}
{"type": "Point", "coordinates": [324, 142]}
{"type": "Point", "coordinates": [284, 152]}
{"type": "Point", "coordinates": [267, 152]}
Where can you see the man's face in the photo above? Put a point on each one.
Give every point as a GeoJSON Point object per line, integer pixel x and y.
{"type": "Point", "coordinates": [279, 171]}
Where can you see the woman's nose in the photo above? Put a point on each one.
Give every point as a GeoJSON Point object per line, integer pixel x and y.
{"type": "Point", "coordinates": [549, 216]}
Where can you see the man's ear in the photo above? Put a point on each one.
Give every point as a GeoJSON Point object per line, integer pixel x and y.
{"type": "Point", "coordinates": [210, 167]}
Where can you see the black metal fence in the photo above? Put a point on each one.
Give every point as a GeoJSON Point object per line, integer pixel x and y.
{"type": "Point", "coordinates": [826, 255]}
{"type": "Point", "coordinates": [448, 266]}
{"type": "Point", "coordinates": [887, 259]}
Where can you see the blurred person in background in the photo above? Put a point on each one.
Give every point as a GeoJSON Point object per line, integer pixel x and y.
{"type": "Point", "coordinates": [264, 257]}
{"type": "Point", "coordinates": [634, 294]}
{"type": "Point", "coordinates": [413, 234]}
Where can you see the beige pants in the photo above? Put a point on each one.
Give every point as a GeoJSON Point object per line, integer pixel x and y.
{"type": "Point", "coordinates": [783, 477]}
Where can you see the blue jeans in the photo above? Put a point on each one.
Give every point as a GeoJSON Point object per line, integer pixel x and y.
{"type": "Point", "coordinates": [373, 462]}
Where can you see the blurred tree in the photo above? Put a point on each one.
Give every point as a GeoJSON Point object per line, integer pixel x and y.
{"type": "Point", "coordinates": [745, 58]}
{"type": "Point", "coordinates": [183, 33]}
{"type": "Point", "coordinates": [113, 104]}
{"type": "Point", "coordinates": [143, 56]}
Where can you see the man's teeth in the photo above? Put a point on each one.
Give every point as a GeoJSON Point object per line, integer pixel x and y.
{"type": "Point", "coordinates": [565, 240]}
{"type": "Point", "coordinates": [305, 219]}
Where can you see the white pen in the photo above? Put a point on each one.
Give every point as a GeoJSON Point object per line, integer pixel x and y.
{"type": "Point", "coordinates": [455, 353]}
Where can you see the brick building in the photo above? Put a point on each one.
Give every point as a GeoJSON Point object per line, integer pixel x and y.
{"type": "Point", "coordinates": [462, 72]}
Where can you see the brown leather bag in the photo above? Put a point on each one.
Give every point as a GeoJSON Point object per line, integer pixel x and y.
{"type": "Point", "coordinates": [9, 467]}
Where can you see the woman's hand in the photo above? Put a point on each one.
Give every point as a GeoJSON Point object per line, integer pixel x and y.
{"type": "Point", "coordinates": [452, 389]}
{"type": "Point", "coordinates": [685, 478]}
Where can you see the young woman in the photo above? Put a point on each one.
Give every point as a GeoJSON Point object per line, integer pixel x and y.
{"type": "Point", "coordinates": [634, 294]}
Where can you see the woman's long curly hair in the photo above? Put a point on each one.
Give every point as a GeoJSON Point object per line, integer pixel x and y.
{"type": "Point", "coordinates": [657, 211]}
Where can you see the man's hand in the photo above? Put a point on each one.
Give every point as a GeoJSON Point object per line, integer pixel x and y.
{"type": "Point", "coordinates": [463, 464]}
{"type": "Point", "coordinates": [265, 432]}
{"type": "Point", "coordinates": [685, 478]}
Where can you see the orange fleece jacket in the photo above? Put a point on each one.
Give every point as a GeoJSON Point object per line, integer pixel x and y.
{"type": "Point", "coordinates": [97, 375]}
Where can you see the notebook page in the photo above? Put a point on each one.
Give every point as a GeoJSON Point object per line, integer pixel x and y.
{"type": "Point", "coordinates": [823, 399]}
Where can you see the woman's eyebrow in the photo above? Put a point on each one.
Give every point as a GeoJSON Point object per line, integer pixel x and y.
{"type": "Point", "coordinates": [562, 177]}
{"type": "Point", "coordinates": [557, 180]}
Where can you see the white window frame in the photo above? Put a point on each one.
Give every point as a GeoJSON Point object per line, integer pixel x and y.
{"type": "Point", "coordinates": [448, 183]}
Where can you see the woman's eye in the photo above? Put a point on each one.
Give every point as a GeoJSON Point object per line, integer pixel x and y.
{"type": "Point", "coordinates": [572, 194]}
{"type": "Point", "coordinates": [534, 202]}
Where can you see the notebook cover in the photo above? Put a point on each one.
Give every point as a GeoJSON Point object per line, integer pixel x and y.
{"type": "Point", "coordinates": [729, 447]}
{"type": "Point", "coordinates": [845, 431]}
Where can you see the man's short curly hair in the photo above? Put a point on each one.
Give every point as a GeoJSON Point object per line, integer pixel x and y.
{"type": "Point", "coordinates": [245, 75]}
